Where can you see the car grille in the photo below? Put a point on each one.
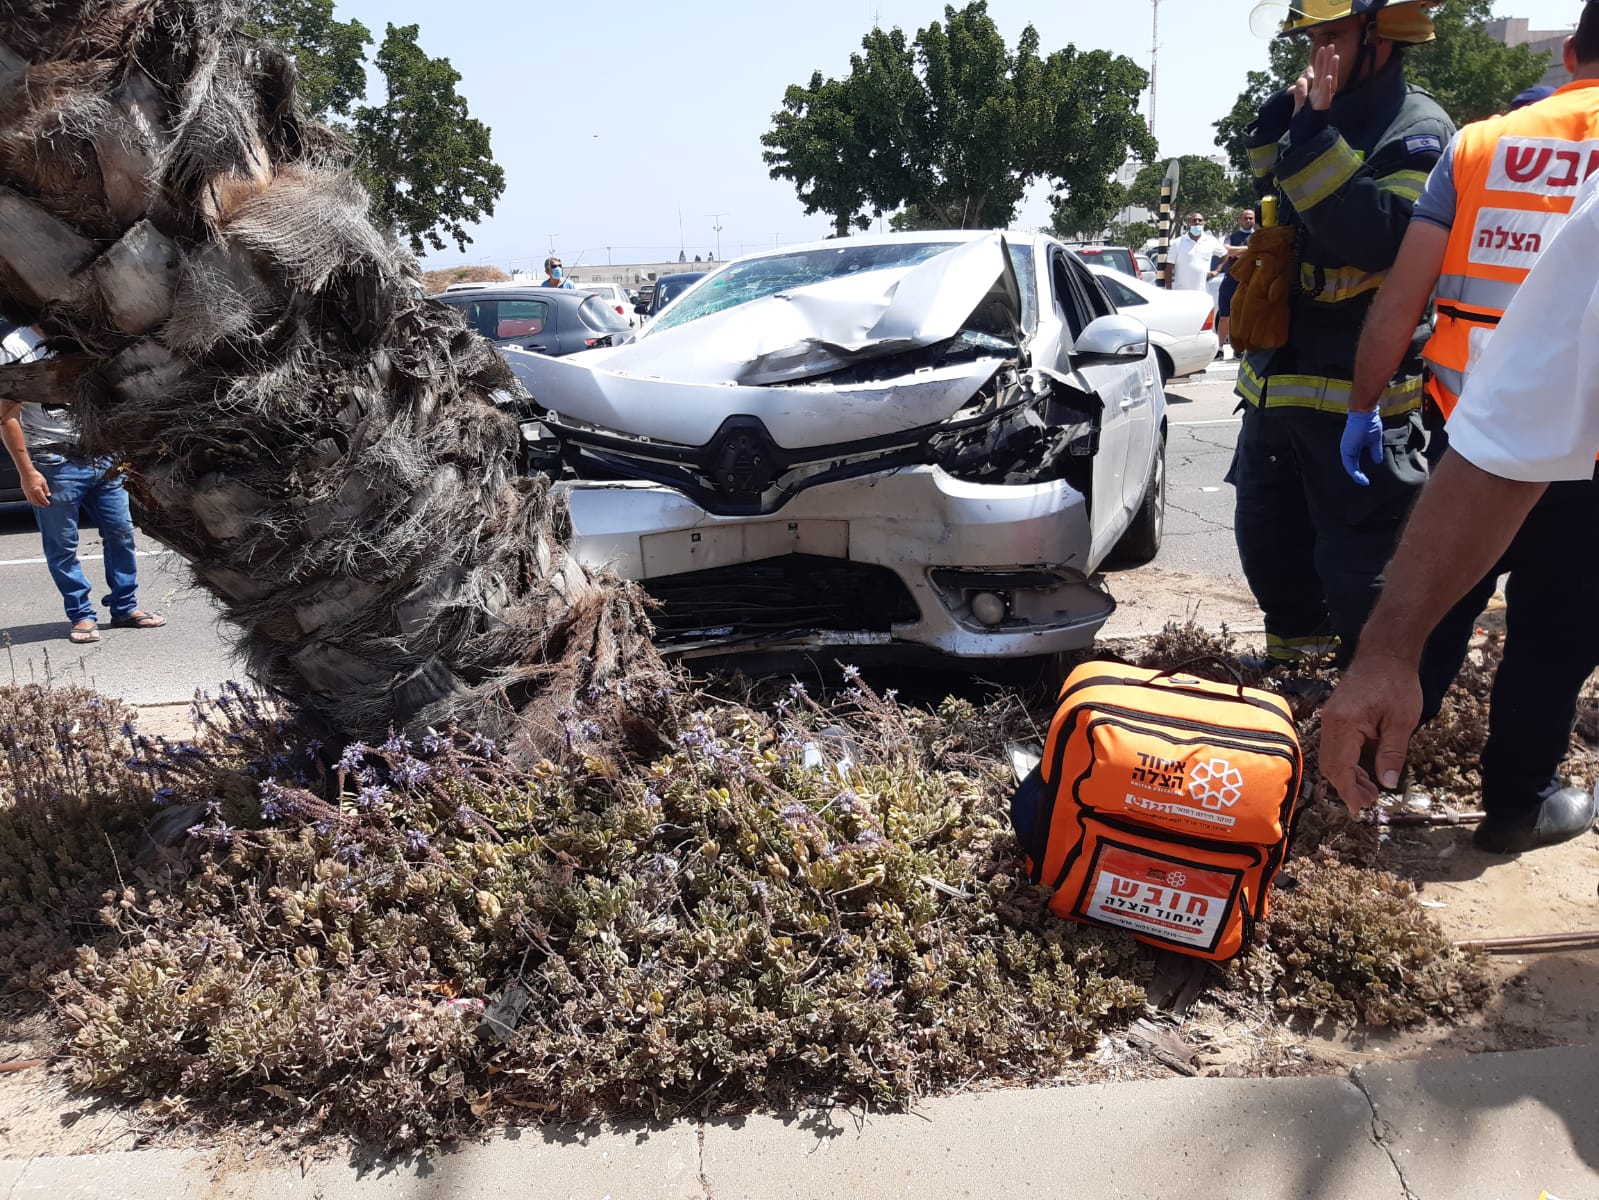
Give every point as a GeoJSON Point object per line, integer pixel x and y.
{"type": "Point", "coordinates": [797, 593]}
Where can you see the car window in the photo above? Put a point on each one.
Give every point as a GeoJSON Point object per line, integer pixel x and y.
{"type": "Point", "coordinates": [481, 315]}
{"type": "Point", "coordinates": [520, 318]}
{"type": "Point", "coordinates": [1115, 257]}
{"type": "Point", "coordinates": [600, 316]}
{"type": "Point", "coordinates": [755, 279]}
{"type": "Point", "coordinates": [1121, 295]}
{"type": "Point", "coordinates": [1099, 304]}
{"type": "Point", "coordinates": [1070, 295]}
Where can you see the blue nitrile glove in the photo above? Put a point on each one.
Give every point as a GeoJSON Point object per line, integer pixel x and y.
{"type": "Point", "coordinates": [1362, 435]}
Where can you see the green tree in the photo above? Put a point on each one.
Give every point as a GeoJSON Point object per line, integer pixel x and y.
{"type": "Point", "coordinates": [329, 56]}
{"type": "Point", "coordinates": [953, 127]}
{"type": "Point", "coordinates": [1470, 74]}
{"type": "Point", "coordinates": [1206, 188]}
{"type": "Point", "coordinates": [426, 161]}
{"type": "Point", "coordinates": [424, 158]}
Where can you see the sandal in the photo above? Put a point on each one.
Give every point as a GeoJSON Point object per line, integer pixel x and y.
{"type": "Point", "coordinates": [83, 632]}
{"type": "Point", "coordinates": [138, 619]}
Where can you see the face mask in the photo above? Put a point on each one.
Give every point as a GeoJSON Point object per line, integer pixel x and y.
{"type": "Point", "coordinates": [556, 272]}
{"type": "Point", "coordinates": [1196, 230]}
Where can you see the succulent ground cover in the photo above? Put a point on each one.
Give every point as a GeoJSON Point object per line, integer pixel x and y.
{"type": "Point", "coordinates": [787, 903]}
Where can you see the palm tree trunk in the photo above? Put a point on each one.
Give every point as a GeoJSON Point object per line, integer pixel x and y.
{"type": "Point", "coordinates": [327, 449]}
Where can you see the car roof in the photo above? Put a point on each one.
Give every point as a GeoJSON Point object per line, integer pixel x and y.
{"type": "Point", "coordinates": [683, 275]}
{"type": "Point", "coordinates": [511, 289]}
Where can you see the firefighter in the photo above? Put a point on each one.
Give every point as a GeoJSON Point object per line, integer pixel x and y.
{"type": "Point", "coordinates": [1346, 152]}
{"type": "Point", "coordinates": [1505, 187]}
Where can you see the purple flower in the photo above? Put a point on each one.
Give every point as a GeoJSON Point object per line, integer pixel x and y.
{"type": "Point", "coordinates": [347, 852]}
{"type": "Point", "coordinates": [432, 743]}
{"type": "Point", "coordinates": [411, 772]}
{"type": "Point", "coordinates": [369, 797]}
{"type": "Point", "coordinates": [852, 673]}
{"type": "Point", "coordinates": [795, 814]}
{"type": "Point", "coordinates": [869, 838]}
{"type": "Point", "coordinates": [352, 757]}
{"type": "Point", "coordinates": [165, 795]}
{"type": "Point", "coordinates": [416, 842]}
{"type": "Point", "coordinates": [877, 979]}
{"type": "Point", "coordinates": [397, 744]}
{"type": "Point", "coordinates": [484, 747]}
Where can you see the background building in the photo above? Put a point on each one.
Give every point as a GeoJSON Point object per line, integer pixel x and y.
{"type": "Point", "coordinates": [1517, 31]}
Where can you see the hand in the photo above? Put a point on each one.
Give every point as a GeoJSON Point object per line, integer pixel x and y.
{"type": "Point", "coordinates": [1319, 83]}
{"type": "Point", "coordinates": [36, 488]}
{"type": "Point", "coordinates": [1378, 701]}
{"type": "Point", "coordinates": [1362, 438]}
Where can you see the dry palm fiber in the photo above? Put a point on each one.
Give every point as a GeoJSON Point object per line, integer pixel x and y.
{"type": "Point", "coordinates": [331, 452]}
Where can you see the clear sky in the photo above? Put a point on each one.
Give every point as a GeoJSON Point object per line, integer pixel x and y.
{"type": "Point", "coordinates": [612, 117]}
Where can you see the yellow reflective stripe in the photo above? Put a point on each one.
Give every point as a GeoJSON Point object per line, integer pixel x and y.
{"type": "Point", "coordinates": [1263, 158]}
{"type": "Point", "coordinates": [1326, 173]}
{"type": "Point", "coordinates": [1338, 283]}
{"type": "Point", "coordinates": [1249, 384]}
{"type": "Point", "coordinates": [1320, 394]}
{"type": "Point", "coordinates": [1283, 649]}
{"type": "Point", "coordinates": [1409, 184]}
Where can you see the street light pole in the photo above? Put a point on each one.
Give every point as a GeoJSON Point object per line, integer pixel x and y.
{"type": "Point", "coordinates": [716, 224]}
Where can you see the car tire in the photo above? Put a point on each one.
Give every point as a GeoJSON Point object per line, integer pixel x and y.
{"type": "Point", "coordinates": [1142, 540]}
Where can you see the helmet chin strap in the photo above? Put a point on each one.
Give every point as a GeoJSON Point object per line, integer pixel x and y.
{"type": "Point", "coordinates": [1368, 47]}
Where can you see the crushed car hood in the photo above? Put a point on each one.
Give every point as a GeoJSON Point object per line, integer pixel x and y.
{"type": "Point", "coordinates": [771, 358]}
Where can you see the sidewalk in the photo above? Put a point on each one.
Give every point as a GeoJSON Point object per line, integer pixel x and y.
{"type": "Point", "coordinates": [1492, 1127]}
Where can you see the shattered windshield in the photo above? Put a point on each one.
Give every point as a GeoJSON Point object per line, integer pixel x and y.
{"type": "Point", "coordinates": [754, 279]}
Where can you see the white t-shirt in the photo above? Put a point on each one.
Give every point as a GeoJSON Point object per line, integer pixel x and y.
{"type": "Point", "coordinates": [1191, 259]}
{"type": "Point", "coordinates": [41, 426]}
{"type": "Point", "coordinates": [1530, 410]}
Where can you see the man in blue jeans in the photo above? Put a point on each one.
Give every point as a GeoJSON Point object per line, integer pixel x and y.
{"type": "Point", "coordinates": [61, 484]}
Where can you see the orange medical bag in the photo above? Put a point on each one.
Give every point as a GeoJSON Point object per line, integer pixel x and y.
{"type": "Point", "coordinates": [1162, 806]}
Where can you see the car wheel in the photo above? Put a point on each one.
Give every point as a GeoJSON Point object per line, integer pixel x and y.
{"type": "Point", "coordinates": [1142, 540]}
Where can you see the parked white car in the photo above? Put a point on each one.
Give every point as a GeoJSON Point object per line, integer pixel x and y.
{"type": "Point", "coordinates": [895, 443]}
{"type": "Point", "coordinates": [1182, 324]}
{"type": "Point", "coordinates": [615, 296]}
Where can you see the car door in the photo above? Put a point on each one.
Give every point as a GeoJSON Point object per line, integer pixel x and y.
{"type": "Point", "coordinates": [1143, 415]}
{"type": "Point", "coordinates": [1123, 390]}
{"type": "Point", "coordinates": [530, 324]}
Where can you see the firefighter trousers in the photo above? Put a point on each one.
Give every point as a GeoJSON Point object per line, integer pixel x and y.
{"type": "Point", "coordinates": [1551, 645]}
{"type": "Point", "coordinates": [1312, 542]}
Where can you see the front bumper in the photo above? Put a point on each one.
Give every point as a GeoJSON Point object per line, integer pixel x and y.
{"type": "Point", "coordinates": [945, 540]}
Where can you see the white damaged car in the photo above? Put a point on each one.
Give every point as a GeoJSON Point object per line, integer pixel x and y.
{"type": "Point", "coordinates": [922, 441]}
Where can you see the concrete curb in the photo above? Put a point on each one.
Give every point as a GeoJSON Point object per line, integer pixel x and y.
{"type": "Point", "coordinates": [1494, 1127]}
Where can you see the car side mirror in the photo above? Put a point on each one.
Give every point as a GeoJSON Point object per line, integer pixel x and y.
{"type": "Point", "coordinates": [642, 309]}
{"type": "Point", "coordinates": [1115, 339]}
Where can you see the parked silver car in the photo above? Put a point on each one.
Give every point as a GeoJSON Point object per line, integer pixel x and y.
{"type": "Point", "coordinates": [927, 440]}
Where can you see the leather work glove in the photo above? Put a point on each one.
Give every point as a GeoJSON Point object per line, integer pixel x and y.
{"type": "Point", "coordinates": [1362, 438]}
{"type": "Point", "coordinates": [1260, 305]}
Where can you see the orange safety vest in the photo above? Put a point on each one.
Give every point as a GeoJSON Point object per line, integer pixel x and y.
{"type": "Point", "coordinates": [1515, 179]}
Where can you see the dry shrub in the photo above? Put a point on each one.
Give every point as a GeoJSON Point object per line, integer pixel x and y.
{"type": "Point", "coordinates": [67, 799]}
{"type": "Point", "coordinates": [434, 282]}
{"type": "Point", "coordinates": [745, 922]}
{"type": "Point", "coordinates": [1445, 753]}
{"type": "Point", "coordinates": [801, 902]}
{"type": "Point", "coordinates": [1353, 945]}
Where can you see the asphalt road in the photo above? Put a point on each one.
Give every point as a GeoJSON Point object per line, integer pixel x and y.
{"type": "Point", "coordinates": [1196, 574]}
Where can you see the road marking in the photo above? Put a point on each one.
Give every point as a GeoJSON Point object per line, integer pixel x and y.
{"type": "Point", "coordinates": [1223, 421]}
{"type": "Point", "coordinates": [39, 562]}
